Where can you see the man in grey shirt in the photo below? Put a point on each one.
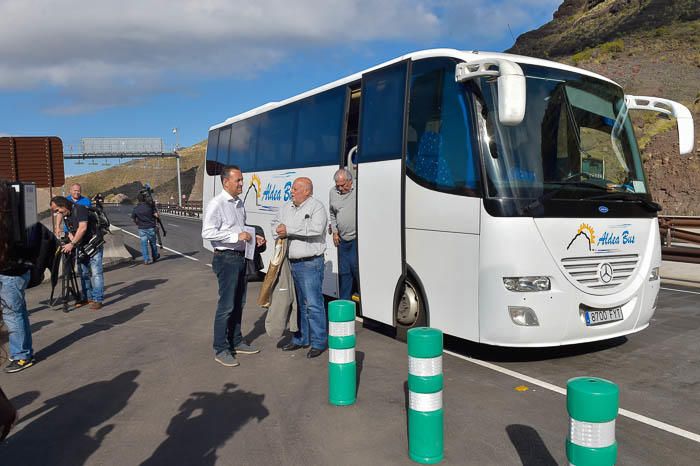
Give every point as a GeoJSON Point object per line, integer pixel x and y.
{"type": "Point", "coordinates": [303, 221]}
{"type": "Point", "coordinates": [343, 225]}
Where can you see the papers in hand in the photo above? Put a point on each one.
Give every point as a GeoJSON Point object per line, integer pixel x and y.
{"type": "Point", "coordinates": [250, 245]}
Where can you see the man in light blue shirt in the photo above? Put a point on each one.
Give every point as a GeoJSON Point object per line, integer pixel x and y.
{"type": "Point", "coordinates": [76, 197]}
{"type": "Point", "coordinates": [304, 221]}
{"type": "Point", "coordinates": [223, 225]}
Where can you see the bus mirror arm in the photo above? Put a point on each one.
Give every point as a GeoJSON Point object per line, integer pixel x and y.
{"type": "Point", "coordinates": [511, 85]}
{"type": "Point", "coordinates": [686, 130]}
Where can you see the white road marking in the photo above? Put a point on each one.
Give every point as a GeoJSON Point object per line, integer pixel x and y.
{"type": "Point", "coordinates": [173, 225]}
{"type": "Point", "coordinates": [540, 383]}
{"type": "Point", "coordinates": [167, 249]}
{"type": "Point", "coordinates": [680, 291]}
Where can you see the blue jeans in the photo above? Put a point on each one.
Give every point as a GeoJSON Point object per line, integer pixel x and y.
{"type": "Point", "coordinates": [14, 313]}
{"type": "Point", "coordinates": [230, 273]}
{"type": "Point", "coordinates": [148, 235]}
{"type": "Point", "coordinates": [91, 277]}
{"type": "Point", "coordinates": [347, 267]}
{"type": "Point", "coordinates": [313, 325]}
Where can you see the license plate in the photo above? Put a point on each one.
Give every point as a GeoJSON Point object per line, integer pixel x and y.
{"type": "Point", "coordinates": [603, 316]}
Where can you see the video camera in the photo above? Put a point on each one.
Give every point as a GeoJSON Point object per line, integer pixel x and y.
{"type": "Point", "coordinates": [99, 200]}
{"type": "Point", "coordinates": [146, 193]}
{"type": "Point", "coordinates": [24, 242]}
{"type": "Point", "coordinates": [22, 213]}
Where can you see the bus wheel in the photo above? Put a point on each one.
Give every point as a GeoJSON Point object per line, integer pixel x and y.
{"type": "Point", "coordinates": [410, 310]}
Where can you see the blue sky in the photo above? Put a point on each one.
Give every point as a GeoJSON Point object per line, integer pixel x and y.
{"type": "Point", "coordinates": [139, 68]}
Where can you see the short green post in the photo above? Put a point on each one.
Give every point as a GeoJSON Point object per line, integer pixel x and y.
{"type": "Point", "coordinates": [592, 404]}
{"type": "Point", "coordinates": [342, 377]}
{"type": "Point", "coordinates": [425, 414]}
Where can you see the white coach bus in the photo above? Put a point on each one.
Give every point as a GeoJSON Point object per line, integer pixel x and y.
{"type": "Point", "coordinates": [500, 198]}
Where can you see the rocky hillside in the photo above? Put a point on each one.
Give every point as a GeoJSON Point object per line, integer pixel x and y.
{"type": "Point", "coordinates": [649, 47]}
{"type": "Point", "coordinates": [125, 180]}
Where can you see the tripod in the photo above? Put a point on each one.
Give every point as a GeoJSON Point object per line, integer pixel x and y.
{"type": "Point", "coordinates": [69, 281]}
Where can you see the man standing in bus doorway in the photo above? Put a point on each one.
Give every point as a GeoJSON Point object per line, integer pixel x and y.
{"type": "Point", "coordinates": [223, 225]}
{"type": "Point", "coordinates": [303, 221]}
{"type": "Point", "coordinates": [343, 226]}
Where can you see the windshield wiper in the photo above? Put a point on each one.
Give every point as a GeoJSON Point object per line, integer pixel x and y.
{"type": "Point", "coordinates": [622, 196]}
{"type": "Point", "coordinates": [527, 210]}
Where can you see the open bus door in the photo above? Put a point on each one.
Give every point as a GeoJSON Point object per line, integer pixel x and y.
{"type": "Point", "coordinates": [379, 184]}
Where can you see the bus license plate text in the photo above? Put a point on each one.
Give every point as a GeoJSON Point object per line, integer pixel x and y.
{"type": "Point", "coordinates": [604, 316]}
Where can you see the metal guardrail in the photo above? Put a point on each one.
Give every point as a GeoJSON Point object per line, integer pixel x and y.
{"type": "Point", "coordinates": [675, 230]}
{"type": "Point", "coordinates": [188, 209]}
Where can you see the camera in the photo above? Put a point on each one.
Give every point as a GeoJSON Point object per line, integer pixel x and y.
{"type": "Point", "coordinates": [98, 199]}
{"type": "Point", "coordinates": [146, 195]}
{"type": "Point", "coordinates": [22, 212]}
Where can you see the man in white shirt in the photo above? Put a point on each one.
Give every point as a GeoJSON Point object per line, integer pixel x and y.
{"type": "Point", "coordinates": [304, 221]}
{"type": "Point", "coordinates": [223, 225]}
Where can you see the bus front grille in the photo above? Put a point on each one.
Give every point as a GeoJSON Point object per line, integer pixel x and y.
{"type": "Point", "coordinates": [601, 272]}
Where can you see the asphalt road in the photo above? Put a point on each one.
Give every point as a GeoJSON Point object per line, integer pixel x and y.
{"type": "Point", "coordinates": [184, 234]}
{"type": "Point", "coordinates": [135, 383]}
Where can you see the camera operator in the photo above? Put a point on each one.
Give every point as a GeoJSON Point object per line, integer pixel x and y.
{"type": "Point", "coordinates": [145, 216]}
{"type": "Point", "coordinates": [76, 197]}
{"type": "Point", "coordinates": [82, 229]}
{"type": "Point", "coordinates": [14, 278]}
{"type": "Point", "coordinates": [146, 194]}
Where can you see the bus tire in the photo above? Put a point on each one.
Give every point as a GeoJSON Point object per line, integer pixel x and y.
{"type": "Point", "coordinates": [410, 309]}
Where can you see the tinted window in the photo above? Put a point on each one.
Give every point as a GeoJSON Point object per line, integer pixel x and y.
{"type": "Point", "coordinates": [222, 150]}
{"type": "Point", "coordinates": [242, 149]}
{"type": "Point", "coordinates": [440, 151]}
{"type": "Point", "coordinates": [319, 129]}
{"type": "Point", "coordinates": [382, 114]}
{"type": "Point", "coordinates": [212, 143]}
{"type": "Point", "coordinates": [276, 138]}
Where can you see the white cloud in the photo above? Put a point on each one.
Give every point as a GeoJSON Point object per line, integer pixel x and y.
{"type": "Point", "coordinates": [97, 54]}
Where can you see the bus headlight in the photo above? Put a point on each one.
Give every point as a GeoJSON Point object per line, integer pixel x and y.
{"type": "Point", "coordinates": [527, 283]}
{"type": "Point", "coordinates": [523, 316]}
{"type": "Point", "coordinates": [654, 275]}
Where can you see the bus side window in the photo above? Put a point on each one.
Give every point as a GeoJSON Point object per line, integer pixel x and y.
{"type": "Point", "coordinates": [440, 148]}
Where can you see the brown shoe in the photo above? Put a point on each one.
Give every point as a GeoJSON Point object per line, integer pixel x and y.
{"type": "Point", "coordinates": [81, 303]}
{"type": "Point", "coordinates": [95, 306]}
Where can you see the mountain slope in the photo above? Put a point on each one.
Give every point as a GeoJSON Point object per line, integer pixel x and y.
{"type": "Point", "coordinates": [160, 174]}
{"type": "Point", "coordinates": [649, 47]}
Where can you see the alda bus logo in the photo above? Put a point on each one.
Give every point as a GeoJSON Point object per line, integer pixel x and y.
{"type": "Point", "coordinates": [613, 239]}
{"type": "Point", "coordinates": [271, 195]}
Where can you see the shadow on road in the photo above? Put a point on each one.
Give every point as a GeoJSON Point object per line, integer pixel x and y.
{"type": "Point", "coordinates": [258, 329]}
{"type": "Point", "coordinates": [36, 326]}
{"type": "Point", "coordinates": [62, 430]}
{"type": "Point", "coordinates": [132, 289]}
{"type": "Point", "coordinates": [508, 354]}
{"type": "Point", "coordinates": [204, 423]}
{"type": "Point", "coordinates": [359, 359]}
{"type": "Point", "coordinates": [25, 399]}
{"type": "Point", "coordinates": [529, 445]}
{"type": "Point", "coordinates": [91, 328]}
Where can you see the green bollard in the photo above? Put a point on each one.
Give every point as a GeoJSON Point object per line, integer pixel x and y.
{"type": "Point", "coordinates": [425, 414]}
{"type": "Point", "coordinates": [342, 373]}
{"type": "Point", "coordinates": [592, 404]}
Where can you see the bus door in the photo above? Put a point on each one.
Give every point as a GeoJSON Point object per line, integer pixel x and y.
{"type": "Point", "coordinates": [379, 189]}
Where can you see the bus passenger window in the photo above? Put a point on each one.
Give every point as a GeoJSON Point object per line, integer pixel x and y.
{"type": "Point", "coordinates": [440, 152]}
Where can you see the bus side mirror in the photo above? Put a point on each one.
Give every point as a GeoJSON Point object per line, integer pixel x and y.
{"type": "Point", "coordinates": [686, 130]}
{"type": "Point", "coordinates": [511, 85]}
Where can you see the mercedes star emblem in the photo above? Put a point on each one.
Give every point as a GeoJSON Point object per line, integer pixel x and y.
{"type": "Point", "coordinates": [605, 272]}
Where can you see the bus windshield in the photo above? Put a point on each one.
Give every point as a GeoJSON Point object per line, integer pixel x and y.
{"type": "Point", "coordinates": [576, 141]}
